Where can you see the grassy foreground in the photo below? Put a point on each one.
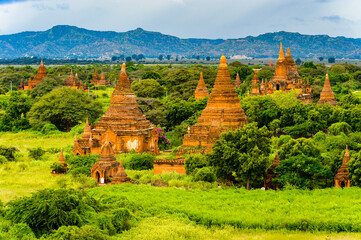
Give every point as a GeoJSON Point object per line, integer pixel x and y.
{"type": "Point", "coordinates": [183, 213]}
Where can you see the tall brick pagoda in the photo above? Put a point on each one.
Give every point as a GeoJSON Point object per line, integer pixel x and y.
{"type": "Point", "coordinates": [222, 114]}
{"type": "Point", "coordinates": [327, 95]}
{"type": "Point", "coordinates": [201, 90]}
{"type": "Point", "coordinates": [342, 178]}
{"type": "Point", "coordinates": [123, 123]}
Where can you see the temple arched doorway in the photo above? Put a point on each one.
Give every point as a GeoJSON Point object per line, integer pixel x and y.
{"type": "Point", "coordinates": [343, 184]}
{"type": "Point", "coordinates": [98, 176]}
{"type": "Point", "coordinates": [277, 87]}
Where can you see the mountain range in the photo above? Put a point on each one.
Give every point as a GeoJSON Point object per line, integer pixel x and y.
{"type": "Point", "coordinates": [65, 41]}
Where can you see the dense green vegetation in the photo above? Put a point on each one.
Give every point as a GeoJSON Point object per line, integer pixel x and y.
{"type": "Point", "coordinates": [211, 200]}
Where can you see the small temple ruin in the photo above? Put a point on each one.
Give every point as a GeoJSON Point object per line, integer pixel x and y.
{"type": "Point", "coordinates": [285, 79]}
{"type": "Point", "coordinates": [201, 90]}
{"type": "Point", "coordinates": [107, 169]}
{"type": "Point", "coordinates": [342, 178]}
{"type": "Point", "coordinates": [63, 162]}
{"type": "Point", "coordinates": [222, 114]}
{"type": "Point", "coordinates": [96, 78]}
{"type": "Point", "coordinates": [327, 95]}
{"type": "Point", "coordinates": [38, 78]}
{"type": "Point", "coordinates": [238, 82]}
{"type": "Point", "coordinates": [74, 82]}
{"type": "Point", "coordinates": [123, 124]}
{"type": "Point", "coordinates": [270, 174]}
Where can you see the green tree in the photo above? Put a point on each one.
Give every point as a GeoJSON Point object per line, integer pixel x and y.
{"type": "Point", "coordinates": [309, 65]}
{"type": "Point", "coordinates": [241, 155]}
{"type": "Point", "coordinates": [331, 60]}
{"type": "Point", "coordinates": [148, 88]}
{"type": "Point", "coordinates": [151, 75]}
{"type": "Point", "coordinates": [354, 168]}
{"type": "Point", "coordinates": [46, 86]}
{"type": "Point", "coordinates": [17, 107]}
{"type": "Point", "coordinates": [65, 108]}
{"type": "Point", "coordinates": [339, 127]}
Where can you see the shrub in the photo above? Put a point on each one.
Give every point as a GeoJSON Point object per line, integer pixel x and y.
{"type": "Point", "coordinates": [121, 219]}
{"type": "Point", "coordinates": [80, 165]}
{"type": "Point", "coordinates": [36, 153]}
{"type": "Point", "coordinates": [3, 159]}
{"type": "Point", "coordinates": [205, 174]}
{"type": "Point", "coordinates": [163, 142]}
{"type": "Point", "coordinates": [8, 152]}
{"type": "Point", "coordinates": [340, 127]}
{"type": "Point", "coordinates": [137, 161]}
{"type": "Point", "coordinates": [57, 166]}
{"type": "Point", "coordinates": [50, 209]}
{"type": "Point", "coordinates": [193, 162]}
{"type": "Point", "coordinates": [49, 129]}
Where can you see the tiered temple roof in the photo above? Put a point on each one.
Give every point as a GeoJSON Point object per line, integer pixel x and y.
{"type": "Point", "coordinates": [327, 95]}
{"type": "Point", "coordinates": [107, 166]}
{"type": "Point", "coordinates": [342, 178]}
{"type": "Point", "coordinates": [102, 80]}
{"type": "Point", "coordinates": [124, 124]}
{"type": "Point", "coordinates": [222, 114]}
{"type": "Point", "coordinates": [201, 90]}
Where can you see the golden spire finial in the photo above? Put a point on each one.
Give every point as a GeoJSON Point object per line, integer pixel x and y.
{"type": "Point", "coordinates": [223, 60]}
{"type": "Point", "coordinates": [41, 62]}
{"type": "Point", "coordinates": [281, 54]}
{"type": "Point", "coordinates": [346, 153]}
{"type": "Point", "coordinates": [123, 68]}
{"type": "Point", "coordinates": [288, 52]}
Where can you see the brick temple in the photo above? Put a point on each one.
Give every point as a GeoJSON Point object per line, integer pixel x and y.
{"type": "Point", "coordinates": [222, 114]}
{"type": "Point", "coordinates": [342, 178]}
{"type": "Point", "coordinates": [285, 79]}
{"type": "Point", "coordinates": [38, 78]}
{"type": "Point", "coordinates": [123, 124]}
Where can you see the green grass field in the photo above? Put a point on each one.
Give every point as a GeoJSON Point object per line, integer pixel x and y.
{"type": "Point", "coordinates": [192, 213]}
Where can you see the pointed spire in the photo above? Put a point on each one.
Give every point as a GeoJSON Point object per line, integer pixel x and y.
{"type": "Point", "coordinates": [107, 154]}
{"type": "Point", "coordinates": [288, 54]}
{"type": "Point", "coordinates": [71, 71]}
{"type": "Point", "coordinates": [41, 62]}
{"type": "Point", "coordinates": [87, 130]}
{"type": "Point", "coordinates": [120, 176]}
{"type": "Point", "coordinates": [123, 81]}
{"type": "Point", "coordinates": [76, 75]}
{"type": "Point", "coordinates": [276, 160]}
{"type": "Point", "coordinates": [281, 53]}
{"type": "Point", "coordinates": [270, 63]}
{"type": "Point", "coordinates": [62, 158]}
{"type": "Point", "coordinates": [76, 138]}
{"type": "Point", "coordinates": [201, 90]}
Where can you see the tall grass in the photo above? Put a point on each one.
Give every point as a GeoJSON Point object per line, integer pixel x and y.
{"type": "Point", "coordinates": [333, 210]}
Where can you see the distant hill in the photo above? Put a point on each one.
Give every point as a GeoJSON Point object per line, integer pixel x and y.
{"type": "Point", "coordinates": [72, 42]}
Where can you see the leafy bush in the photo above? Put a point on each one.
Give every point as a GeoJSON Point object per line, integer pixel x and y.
{"type": "Point", "coordinates": [57, 166]}
{"type": "Point", "coordinates": [137, 161]}
{"type": "Point", "coordinates": [193, 162]}
{"type": "Point", "coordinates": [80, 165]}
{"type": "Point", "coordinates": [340, 127]}
{"type": "Point", "coordinates": [49, 129]}
{"type": "Point", "coordinates": [205, 174]}
{"type": "Point", "coordinates": [36, 153]}
{"type": "Point", "coordinates": [3, 159]}
{"type": "Point", "coordinates": [163, 142]}
{"type": "Point", "coordinates": [8, 152]}
{"type": "Point", "coordinates": [50, 209]}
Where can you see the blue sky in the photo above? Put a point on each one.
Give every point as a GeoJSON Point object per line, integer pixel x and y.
{"type": "Point", "coordinates": [187, 18]}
